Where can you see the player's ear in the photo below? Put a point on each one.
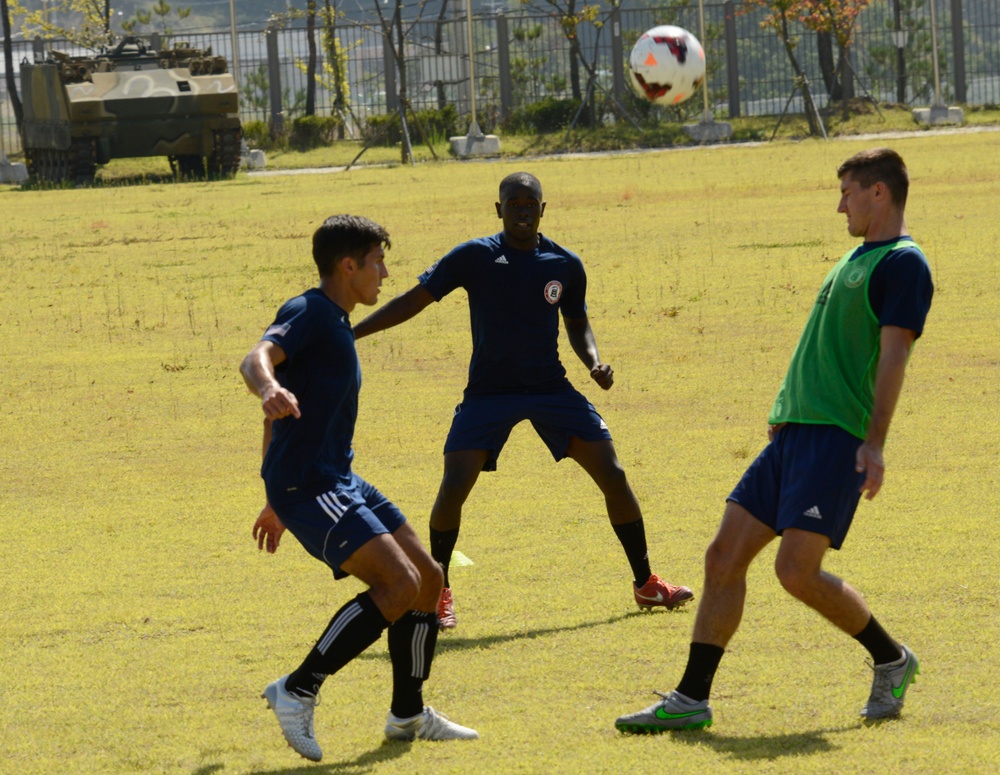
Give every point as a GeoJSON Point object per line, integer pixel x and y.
{"type": "Point", "coordinates": [499, 210]}
{"type": "Point", "coordinates": [541, 212]}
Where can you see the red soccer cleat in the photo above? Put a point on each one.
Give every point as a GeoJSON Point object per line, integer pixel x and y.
{"type": "Point", "coordinates": [656, 593]}
{"type": "Point", "coordinates": [446, 611]}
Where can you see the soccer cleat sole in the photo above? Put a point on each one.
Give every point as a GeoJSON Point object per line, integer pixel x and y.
{"type": "Point", "coordinates": [653, 729]}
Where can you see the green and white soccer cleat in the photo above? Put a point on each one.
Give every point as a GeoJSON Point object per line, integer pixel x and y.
{"type": "Point", "coordinates": [674, 711]}
{"type": "Point", "coordinates": [889, 686]}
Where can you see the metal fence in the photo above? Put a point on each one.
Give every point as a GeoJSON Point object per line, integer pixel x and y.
{"type": "Point", "coordinates": [522, 57]}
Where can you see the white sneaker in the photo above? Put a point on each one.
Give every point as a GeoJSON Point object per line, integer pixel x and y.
{"type": "Point", "coordinates": [429, 725]}
{"type": "Point", "coordinates": [295, 715]}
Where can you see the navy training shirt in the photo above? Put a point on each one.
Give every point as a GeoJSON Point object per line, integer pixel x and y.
{"type": "Point", "coordinates": [313, 453]}
{"type": "Point", "coordinates": [515, 297]}
{"type": "Point", "coordinates": [900, 288]}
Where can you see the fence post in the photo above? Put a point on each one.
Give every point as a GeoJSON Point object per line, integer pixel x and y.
{"type": "Point", "coordinates": [277, 120]}
{"type": "Point", "coordinates": [38, 49]}
{"type": "Point", "coordinates": [503, 61]}
{"type": "Point", "coordinates": [389, 62]}
{"type": "Point", "coordinates": [958, 51]}
{"type": "Point", "coordinates": [617, 54]}
{"type": "Point", "coordinates": [732, 62]}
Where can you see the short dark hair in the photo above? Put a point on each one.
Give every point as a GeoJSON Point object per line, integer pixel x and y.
{"type": "Point", "coordinates": [879, 165]}
{"type": "Point", "coordinates": [520, 180]}
{"type": "Point", "coordinates": [343, 236]}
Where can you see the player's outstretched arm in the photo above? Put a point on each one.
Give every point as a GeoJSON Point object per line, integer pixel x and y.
{"type": "Point", "coordinates": [581, 339]}
{"type": "Point", "coordinates": [396, 311]}
{"type": "Point", "coordinates": [894, 350]}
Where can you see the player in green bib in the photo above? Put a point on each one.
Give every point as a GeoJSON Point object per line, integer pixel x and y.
{"type": "Point", "coordinates": [827, 429]}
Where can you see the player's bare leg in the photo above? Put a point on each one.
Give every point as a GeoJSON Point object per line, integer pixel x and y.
{"type": "Point", "coordinates": [599, 460]}
{"type": "Point", "coordinates": [395, 584]}
{"type": "Point", "coordinates": [798, 566]}
{"type": "Point", "coordinates": [739, 540]}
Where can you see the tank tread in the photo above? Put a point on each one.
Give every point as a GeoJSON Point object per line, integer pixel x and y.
{"type": "Point", "coordinates": [83, 159]}
{"type": "Point", "coordinates": [225, 158]}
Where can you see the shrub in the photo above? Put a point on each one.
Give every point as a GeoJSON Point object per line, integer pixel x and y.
{"type": "Point", "coordinates": [437, 124]}
{"type": "Point", "coordinates": [307, 132]}
{"type": "Point", "coordinates": [547, 115]}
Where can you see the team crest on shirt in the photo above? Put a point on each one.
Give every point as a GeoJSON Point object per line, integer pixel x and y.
{"type": "Point", "coordinates": [855, 276]}
{"type": "Point", "coordinates": [553, 291]}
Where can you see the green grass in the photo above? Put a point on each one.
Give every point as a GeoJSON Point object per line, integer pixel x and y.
{"type": "Point", "coordinates": [140, 623]}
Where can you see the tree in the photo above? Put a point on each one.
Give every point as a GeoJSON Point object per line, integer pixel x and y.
{"type": "Point", "coordinates": [837, 18]}
{"type": "Point", "coordinates": [394, 33]}
{"type": "Point", "coordinates": [86, 22]}
{"type": "Point", "coordinates": [162, 24]}
{"type": "Point", "coordinates": [570, 18]}
{"type": "Point", "coordinates": [8, 62]}
{"type": "Point", "coordinates": [781, 15]}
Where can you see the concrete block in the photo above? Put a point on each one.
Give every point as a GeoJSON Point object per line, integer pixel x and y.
{"type": "Point", "coordinates": [938, 114]}
{"type": "Point", "coordinates": [709, 131]}
{"type": "Point", "coordinates": [253, 160]}
{"type": "Point", "coordinates": [12, 172]}
{"type": "Point", "coordinates": [475, 145]}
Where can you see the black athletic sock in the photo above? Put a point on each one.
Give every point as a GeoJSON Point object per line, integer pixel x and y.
{"type": "Point", "coordinates": [633, 539]}
{"type": "Point", "coordinates": [882, 648]}
{"type": "Point", "coordinates": [412, 639]}
{"type": "Point", "coordinates": [703, 661]}
{"type": "Point", "coordinates": [353, 628]}
{"type": "Point", "coordinates": [442, 545]}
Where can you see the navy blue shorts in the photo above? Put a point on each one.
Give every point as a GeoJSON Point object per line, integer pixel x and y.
{"type": "Point", "coordinates": [485, 422]}
{"type": "Point", "coordinates": [804, 479]}
{"type": "Point", "coordinates": [335, 524]}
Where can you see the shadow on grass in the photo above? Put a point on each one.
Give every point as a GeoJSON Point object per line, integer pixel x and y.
{"type": "Point", "coordinates": [359, 764]}
{"type": "Point", "coordinates": [753, 748]}
{"type": "Point", "coordinates": [451, 643]}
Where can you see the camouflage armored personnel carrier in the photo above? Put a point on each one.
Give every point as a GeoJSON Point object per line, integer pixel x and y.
{"type": "Point", "coordinates": [81, 111]}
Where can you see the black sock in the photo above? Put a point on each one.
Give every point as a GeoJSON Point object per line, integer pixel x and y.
{"type": "Point", "coordinates": [353, 628]}
{"type": "Point", "coordinates": [412, 639]}
{"type": "Point", "coordinates": [882, 648]}
{"type": "Point", "coordinates": [442, 545]}
{"type": "Point", "coordinates": [633, 539]}
{"type": "Point", "coordinates": [703, 661]}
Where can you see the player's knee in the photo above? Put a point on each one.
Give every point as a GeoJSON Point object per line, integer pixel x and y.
{"type": "Point", "coordinates": [719, 561]}
{"type": "Point", "coordinates": [612, 478]}
{"type": "Point", "coordinates": [398, 592]}
{"type": "Point", "coordinates": [431, 579]}
{"type": "Point", "coordinates": [796, 580]}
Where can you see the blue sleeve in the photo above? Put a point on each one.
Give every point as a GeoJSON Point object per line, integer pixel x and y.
{"type": "Point", "coordinates": [445, 275]}
{"type": "Point", "coordinates": [290, 329]}
{"type": "Point", "coordinates": [574, 301]}
{"type": "Point", "coordinates": [901, 289]}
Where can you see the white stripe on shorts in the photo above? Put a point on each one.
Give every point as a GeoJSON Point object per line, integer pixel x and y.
{"type": "Point", "coordinates": [329, 502]}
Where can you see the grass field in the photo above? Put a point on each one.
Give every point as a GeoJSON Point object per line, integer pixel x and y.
{"type": "Point", "coordinates": [139, 622]}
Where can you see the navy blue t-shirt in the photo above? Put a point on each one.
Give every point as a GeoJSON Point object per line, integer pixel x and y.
{"type": "Point", "coordinates": [515, 297]}
{"type": "Point", "coordinates": [313, 453]}
{"type": "Point", "coordinates": [900, 288]}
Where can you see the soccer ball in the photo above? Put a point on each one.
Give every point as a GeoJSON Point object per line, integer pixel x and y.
{"type": "Point", "coordinates": [667, 65]}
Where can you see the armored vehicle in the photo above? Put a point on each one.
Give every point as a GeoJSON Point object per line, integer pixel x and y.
{"type": "Point", "coordinates": [81, 111]}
